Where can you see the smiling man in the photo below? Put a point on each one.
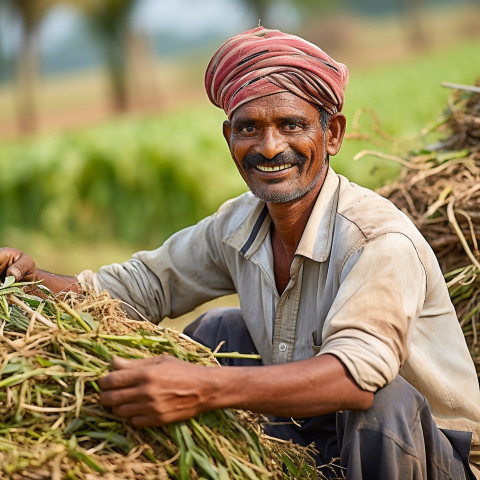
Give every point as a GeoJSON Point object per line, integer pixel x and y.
{"type": "Point", "coordinates": [339, 293]}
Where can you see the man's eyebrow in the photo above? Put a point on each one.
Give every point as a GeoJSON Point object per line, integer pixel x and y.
{"type": "Point", "coordinates": [293, 119]}
{"type": "Point", "coordinates": [242, 122]}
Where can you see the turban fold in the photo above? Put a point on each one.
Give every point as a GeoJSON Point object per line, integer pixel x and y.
{"type": "Point", "coordinates": [262, 62]}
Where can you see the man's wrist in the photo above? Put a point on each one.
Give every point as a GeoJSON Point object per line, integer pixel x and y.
{"type": "Point", "coordinates": [226, 387]}
{"type": "Point", "coordinates": [58, 283]}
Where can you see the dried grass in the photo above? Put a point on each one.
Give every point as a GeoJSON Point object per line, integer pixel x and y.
{"type": "Point", "coordinates": [53, 427]}
{"type": "Point", "coordinates": [439, 189]}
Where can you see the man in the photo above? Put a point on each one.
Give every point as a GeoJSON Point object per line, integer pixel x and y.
{"type": "Point", "coordinates": [339, 293]}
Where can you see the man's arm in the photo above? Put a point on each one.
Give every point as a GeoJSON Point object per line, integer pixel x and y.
{"type": "Point", "coordinates": [22, 267]}
{"type": "Point", "coordinates": [158, 391]}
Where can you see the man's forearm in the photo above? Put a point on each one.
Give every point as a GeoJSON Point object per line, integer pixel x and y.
{"type": "Point", "coordinates": [306, 388]}
{"type": "Point", "coordinates": [161, 390]}
{"type": "Point", "coordinates": [58, 283]}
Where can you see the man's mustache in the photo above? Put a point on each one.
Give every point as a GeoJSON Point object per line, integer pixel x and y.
{"type": "Point", "coordinates": [251, 160]}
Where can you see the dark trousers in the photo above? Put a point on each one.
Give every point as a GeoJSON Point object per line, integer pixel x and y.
{"type": "Point", "coordinates": [394, 439]}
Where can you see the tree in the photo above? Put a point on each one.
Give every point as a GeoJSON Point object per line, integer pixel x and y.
{"type": "Point", "coordinates": [109, 21]}
{"type": "Point", "coordinates": [412, 12]}
{"type": "Point", "coordinates": [29, 13]}
{"type": "Point", "coordinates": [260, 8]}
{"type": "Point", "coordinates": [263, 8]}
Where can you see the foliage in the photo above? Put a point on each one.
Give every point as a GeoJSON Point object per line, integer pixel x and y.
{"type": "Point", "coordinates": [140, 180]}
{"type": "Point", "coordinates": [109, 22]}
{"type": "Point", "coordinates": [30, 14]}
{"type": "Point", "coordinates": [136, 181]}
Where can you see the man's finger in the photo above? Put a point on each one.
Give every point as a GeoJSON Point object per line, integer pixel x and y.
{"type": "Point", "coordinates": [148, 421]}
{"type": "Point", "coordinates": [118, 396]}
{"type": "Point", "coordinates": [119, 363]}
{"type": "Point", "coordinates": [22, 268]}
{"type": "Point", "coordinates": [133, 409]}
{"type": "Point", "coordinates": [123, 378]}
{"type": "Point", "coordinates": [7, 257]}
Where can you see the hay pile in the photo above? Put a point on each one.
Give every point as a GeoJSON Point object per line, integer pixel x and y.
{"type": "Point", "coordinates": [439, 190]}
{"type": "Point", "coordinates": [52, 426]}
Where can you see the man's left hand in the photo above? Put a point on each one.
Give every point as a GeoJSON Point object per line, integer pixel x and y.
{"type": "Point", "coordinates": [155, 391]}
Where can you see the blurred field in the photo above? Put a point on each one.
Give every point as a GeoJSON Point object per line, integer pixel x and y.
{"type": "Point", "coordinates": [79, 197]}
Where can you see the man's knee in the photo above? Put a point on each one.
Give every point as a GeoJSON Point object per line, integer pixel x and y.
{"type": "Point", "coordinates": [397, 433]}
{"type": "Point", "coordinates": [398, 403]}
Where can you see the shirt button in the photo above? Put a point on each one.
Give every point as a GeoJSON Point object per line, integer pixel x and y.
{"type": "Point", "coordinates": [282, 347]}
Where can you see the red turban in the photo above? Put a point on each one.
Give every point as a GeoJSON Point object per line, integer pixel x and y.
{"type": "Point", "coordinates": [262, 62]}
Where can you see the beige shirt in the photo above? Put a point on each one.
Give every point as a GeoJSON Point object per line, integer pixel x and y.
{"type": "Point", "coordinates": [365, 286]}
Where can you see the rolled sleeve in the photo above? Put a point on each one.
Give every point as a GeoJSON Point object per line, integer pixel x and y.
{"type": "Point", "coordinates": [370, 323]}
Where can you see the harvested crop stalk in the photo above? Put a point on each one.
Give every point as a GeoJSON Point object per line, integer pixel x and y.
{"type": "Point", "coordinates": [458, 231]}
{"type": "Point", "coordinates": [54, 427]}
{"type": "Point", "coordinates": [439, 189]}
{"type": "Point", "coordinates": [25, 307]}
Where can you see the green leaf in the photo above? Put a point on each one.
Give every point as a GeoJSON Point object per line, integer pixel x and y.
{"type": "Point", "coordinates": [15, 365]}
{"type": "Point", "coordinates": [10, 280]}
{"type": "Point", "coordinates": [115, 438]}
{"type": "Point", "coordinates": [87, 459]}
{"type": "Point", "coordinates": [88, 319]}
{"type": "Point", "coordinates": [6, 309]}
{"type": "Point", "coordinates": [292, 468]}
{"type": "Point", "coordinates": [11, 289]}
{"type": "Point", "coordinates": [74, 425]}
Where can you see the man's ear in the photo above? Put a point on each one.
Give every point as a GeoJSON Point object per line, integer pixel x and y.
{"type": "Point", "coordinates": [227, 131]}
{"type": "Point", "coordinates": [335, 132]}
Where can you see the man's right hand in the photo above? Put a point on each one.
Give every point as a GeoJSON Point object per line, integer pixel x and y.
{"type": "Point", "coordinates": [16, 263]}
{"type": "Point", "coordinates": [22, 267]}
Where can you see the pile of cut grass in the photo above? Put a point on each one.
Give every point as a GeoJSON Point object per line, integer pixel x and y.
{"type": "Point", "coordinates": [439, 189]}
{"type": "Point", "coordinates": [53, 350]}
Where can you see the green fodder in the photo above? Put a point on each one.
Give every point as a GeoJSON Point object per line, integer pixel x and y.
{"type": "Point", "coordinates": [52, 426]}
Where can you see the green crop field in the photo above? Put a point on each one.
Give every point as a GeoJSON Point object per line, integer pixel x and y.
{"type": "Point", "coordinates": [91, 196]}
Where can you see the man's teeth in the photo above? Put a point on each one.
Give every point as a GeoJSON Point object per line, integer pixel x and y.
{"type": "Point", "coordinates": [274, 168]}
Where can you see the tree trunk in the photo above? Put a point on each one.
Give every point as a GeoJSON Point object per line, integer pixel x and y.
{"type": "Point", "coordinates": [117, 68]}
{"type": "Point", "coordinates": [414, 24]}
{"type": "Point", "coordinates": [260, 9]}
{"type": "Point", "coordinates": [26, 73]}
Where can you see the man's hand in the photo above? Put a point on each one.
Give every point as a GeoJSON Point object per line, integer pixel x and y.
{"type": "Point", "coordinates": [16, 263]}
{"type": "Point", "coordinates": [22, 267]}
{"type": "Point", "coordinates": [156, 391]}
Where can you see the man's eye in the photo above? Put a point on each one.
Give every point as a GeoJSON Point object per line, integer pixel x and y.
{"type": "Point", "coordinates": [292, 127]}
{"type": "Point", "coordinates": [247, 129]}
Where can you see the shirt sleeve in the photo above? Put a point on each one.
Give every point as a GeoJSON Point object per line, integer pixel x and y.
{"type": "Point", "coordinates": [186, 271]}
{"type": "Point", "coordinates": [370, 323]}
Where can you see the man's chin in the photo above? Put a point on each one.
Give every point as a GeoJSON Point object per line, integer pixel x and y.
{"type": "Point", "coordinates": [278, 197]}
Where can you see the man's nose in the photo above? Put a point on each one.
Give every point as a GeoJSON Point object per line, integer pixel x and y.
{"type": "Point", "coordinates": [271, 144]}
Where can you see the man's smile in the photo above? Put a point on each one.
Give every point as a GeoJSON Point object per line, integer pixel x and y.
{"type": "Point", "coordinates": [273, 168]}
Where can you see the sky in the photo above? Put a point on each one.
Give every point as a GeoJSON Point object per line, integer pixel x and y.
{"type": "Point", "coordinates": [188, 18]}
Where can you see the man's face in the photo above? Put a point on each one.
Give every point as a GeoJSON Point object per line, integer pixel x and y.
{"type": "Point", "coordinates": [278, 145]}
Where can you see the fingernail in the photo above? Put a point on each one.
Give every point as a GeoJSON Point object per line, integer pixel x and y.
{"type": "Point", "coordinates": [15, 272]}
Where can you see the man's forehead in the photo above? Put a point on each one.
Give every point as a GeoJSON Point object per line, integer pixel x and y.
{"type": "Point", "coordinates": [284, 104]}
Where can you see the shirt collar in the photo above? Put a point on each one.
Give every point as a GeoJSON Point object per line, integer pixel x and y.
{"type": "Point", "coordinates": [317, 237]}
{"type": "Point", "coordinates": [249, 236]}
{"type": "Point", "coordinates": [316, 240]}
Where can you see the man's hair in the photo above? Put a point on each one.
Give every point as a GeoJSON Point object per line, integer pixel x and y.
{"type": "Point", "coordinates": [324, 118]}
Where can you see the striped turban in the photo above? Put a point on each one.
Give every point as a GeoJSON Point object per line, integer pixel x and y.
{"type": "Point", "coordinates": [262, 62]}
